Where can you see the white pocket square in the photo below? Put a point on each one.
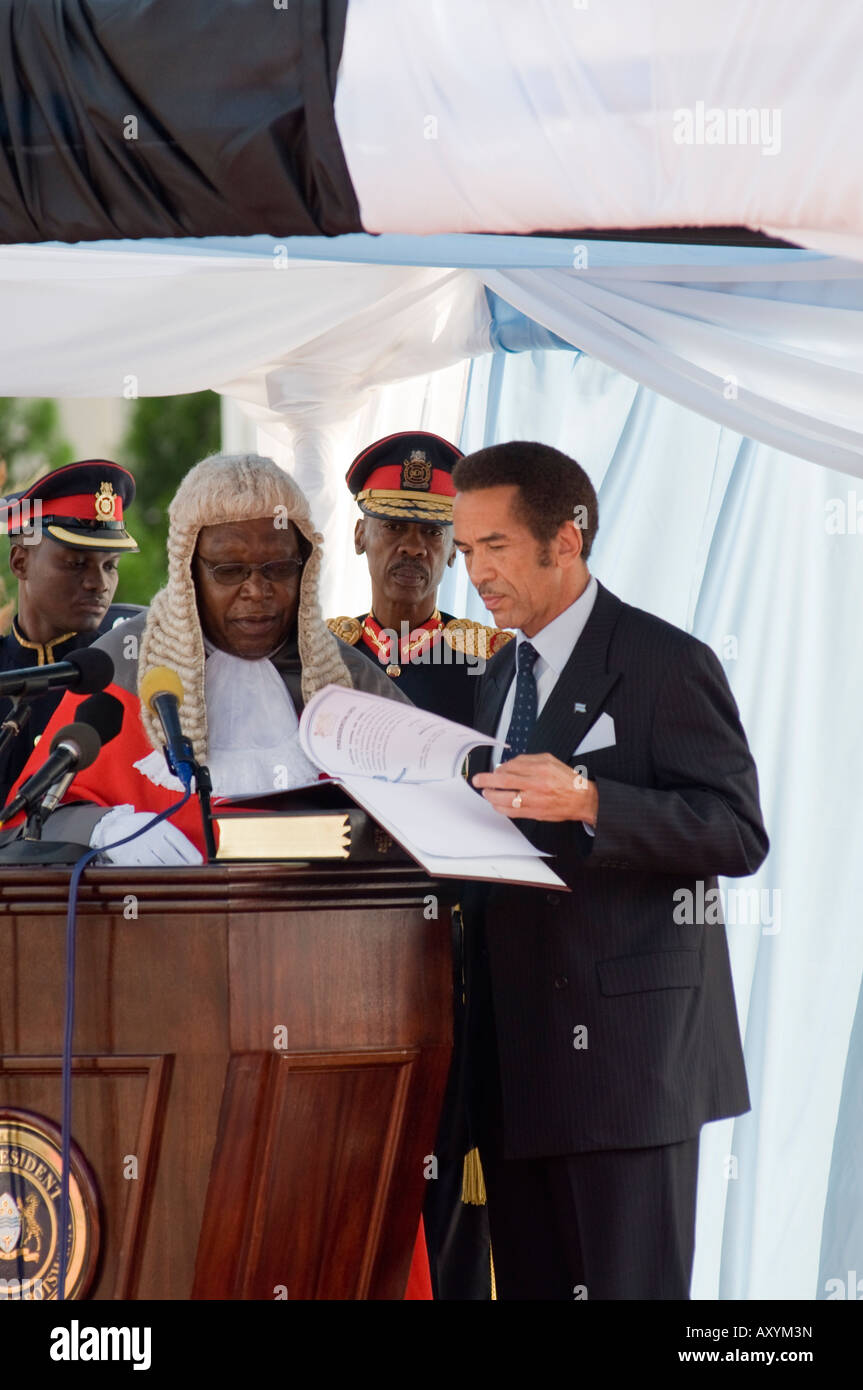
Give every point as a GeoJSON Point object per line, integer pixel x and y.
{"type": "Point", "coordinates": [599, 735]}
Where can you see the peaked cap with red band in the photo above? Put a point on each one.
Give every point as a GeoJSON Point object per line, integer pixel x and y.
{"type": "Point", "coordinates": [80, 506]}
{"type": "Point", "coordinates": [406, 477]}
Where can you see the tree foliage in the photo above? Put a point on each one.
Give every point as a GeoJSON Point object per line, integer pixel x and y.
{"type": "Point", "coordinates": [165, 437]}
{"type": "Point", "coordinates": [31, 439]}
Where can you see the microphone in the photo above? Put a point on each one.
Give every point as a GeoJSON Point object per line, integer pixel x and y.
{"type": "Point", "coordinates": [83, 671]}
{"type": "Point", "coordinates": [162, 692]}
{"type": "Point", "coordinates": [76, 746]}
{"type": "Point", "coordinates": [73, 748]}
{"type": "Point", "coordinates": [104, 713]}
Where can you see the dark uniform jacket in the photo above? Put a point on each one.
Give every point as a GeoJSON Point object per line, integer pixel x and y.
{"type": "Point", "coordinates": [446, 683]}
{"type": "Point", "coordinates": [660, 1053]}
{"type": "Point", "coordinates": [16, 652]}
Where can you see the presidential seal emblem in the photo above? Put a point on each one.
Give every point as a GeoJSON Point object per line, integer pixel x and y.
{"type": "Point", "coordinates": [105, 502]}
{"type": "Point", "coordinates": [416, 472]}
{"type": "Point", "coordinates": [30, 1177]}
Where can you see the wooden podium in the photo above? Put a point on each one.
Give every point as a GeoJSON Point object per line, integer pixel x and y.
{"type": "Point", "coordinates": [269, 1043]}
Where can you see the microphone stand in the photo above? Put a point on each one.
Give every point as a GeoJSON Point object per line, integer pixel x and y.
{"type": "Point", "coordinates": [204, 788]}
{"type": "Point", "coordinates": [15, 721]}
{"type": "Point", "coordinates": [33, 825]}
{"type": "Point", "coordinates": [31, 848]}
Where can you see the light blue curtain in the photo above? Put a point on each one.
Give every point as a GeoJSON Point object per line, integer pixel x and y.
{"type": "Point", "coordinates": [760, 554]}
{"type": "Point", "coordinates": [462, 249]}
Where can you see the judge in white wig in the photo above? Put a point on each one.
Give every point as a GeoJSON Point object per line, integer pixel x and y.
{"type": "Point", "coordinates": [240, 622]}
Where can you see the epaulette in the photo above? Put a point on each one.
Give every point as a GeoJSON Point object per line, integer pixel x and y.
{"type": "Point", "coordinates": [350, 630]}
{"type": "Point", "coordinates": [475, 639]}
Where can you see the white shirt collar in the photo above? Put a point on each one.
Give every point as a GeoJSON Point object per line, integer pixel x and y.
{"type": "Point", "coordinates": [555, 642]}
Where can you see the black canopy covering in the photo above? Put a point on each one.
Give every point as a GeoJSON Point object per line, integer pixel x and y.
{"type": "Point", "coordinates": [161, 118]}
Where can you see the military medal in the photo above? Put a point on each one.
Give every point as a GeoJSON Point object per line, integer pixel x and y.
{"type": "Point", "coordinates": [371, 630]}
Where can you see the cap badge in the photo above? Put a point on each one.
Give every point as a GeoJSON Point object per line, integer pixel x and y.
{"type": "Point", "coordinates": [417, 472]}
{"type": "Point", "coordinates": [105, 502]}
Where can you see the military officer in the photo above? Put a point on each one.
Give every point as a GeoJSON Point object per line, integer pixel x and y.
{"type": "Point", "coordinates": [404, 490]}
{"type": "Point", "coordinates": [403, 487]}
{"type": "Point", "coordinates": [66, 535]}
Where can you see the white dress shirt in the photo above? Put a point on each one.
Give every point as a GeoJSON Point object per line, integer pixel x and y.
{"type": "Point", "coordinates": [555, 644]}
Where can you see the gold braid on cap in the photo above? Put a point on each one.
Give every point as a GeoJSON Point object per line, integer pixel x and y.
{"type": "Point", "coordinates": [229, 488]}
{"type": "Point", "coordinates": [405, 505]}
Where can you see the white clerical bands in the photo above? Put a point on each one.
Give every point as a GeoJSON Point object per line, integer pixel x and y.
{"type": "Point", "coordinates": [516, 801]}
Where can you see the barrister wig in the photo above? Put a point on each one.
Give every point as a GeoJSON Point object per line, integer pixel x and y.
{"type": "Point", "coordinates": [229, 488]}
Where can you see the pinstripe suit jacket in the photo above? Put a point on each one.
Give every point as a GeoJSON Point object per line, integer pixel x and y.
{"type": "Point", "coordinates": [678, 803]}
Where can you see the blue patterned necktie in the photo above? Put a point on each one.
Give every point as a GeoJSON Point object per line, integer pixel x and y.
{"type": "Point", "coordinates": [525, 704]}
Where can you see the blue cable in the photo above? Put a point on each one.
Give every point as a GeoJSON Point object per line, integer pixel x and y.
{"type": "Point", "coordinates": [69, 1026]}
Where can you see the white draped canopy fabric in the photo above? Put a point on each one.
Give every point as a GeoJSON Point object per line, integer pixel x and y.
{"type": "Point", "coordinates": [770, 345]}
{"type": "Point", "coordinates": [112, 320]}
{"type": "Point", "coordinates": [505, 116]}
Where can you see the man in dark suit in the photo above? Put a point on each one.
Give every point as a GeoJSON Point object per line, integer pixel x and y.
{"type": "Point", "coordinates": [67, 535]}
{"type": "Point", "coordinates": [602, 1032]}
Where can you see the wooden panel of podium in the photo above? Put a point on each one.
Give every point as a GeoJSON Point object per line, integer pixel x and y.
{"type": "Point", "coordinates": [259, 1061]}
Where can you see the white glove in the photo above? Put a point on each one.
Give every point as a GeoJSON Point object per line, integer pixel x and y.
{"type": "Point", "coordinates": [163, 844]}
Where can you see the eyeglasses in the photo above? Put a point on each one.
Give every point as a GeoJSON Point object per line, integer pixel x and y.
{"type": "Point", "coordinates": [274, 571]}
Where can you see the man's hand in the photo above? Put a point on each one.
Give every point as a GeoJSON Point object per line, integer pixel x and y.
{"type": "Point", "coordinates": [538, 786]}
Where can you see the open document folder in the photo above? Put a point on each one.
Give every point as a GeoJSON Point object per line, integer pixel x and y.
{"type": "Point", "coordinates": [403, 766]}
